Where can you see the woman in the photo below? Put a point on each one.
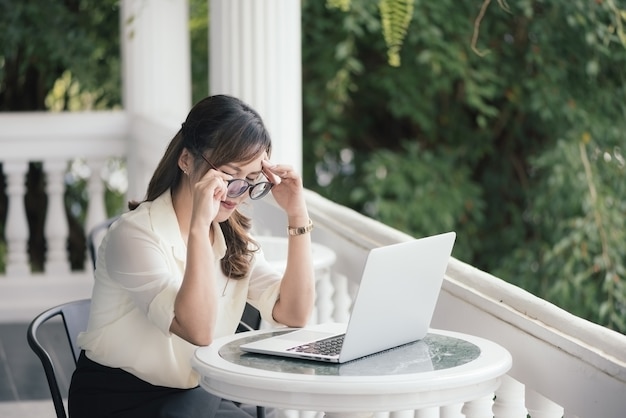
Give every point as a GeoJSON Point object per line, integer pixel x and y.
{"type": "Point", "coordinates": [176, 271]}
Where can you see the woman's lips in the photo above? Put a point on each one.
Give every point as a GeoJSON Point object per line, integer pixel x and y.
{"type": "Point", "coordinates": [228, 205]}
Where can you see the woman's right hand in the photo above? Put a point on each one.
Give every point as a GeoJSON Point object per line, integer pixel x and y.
{"type": "Point", "coordinates": [207, 195]}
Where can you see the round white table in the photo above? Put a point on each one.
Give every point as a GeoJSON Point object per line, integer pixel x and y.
{"type": "Point", "coordinates": [442, 369]}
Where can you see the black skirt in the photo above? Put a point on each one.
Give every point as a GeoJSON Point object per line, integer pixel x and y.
{"type": "Point", "coordinates": [100, 391]}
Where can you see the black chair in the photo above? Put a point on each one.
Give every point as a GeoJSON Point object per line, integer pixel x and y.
{"type": "Point", "coordinates": [74, 315]}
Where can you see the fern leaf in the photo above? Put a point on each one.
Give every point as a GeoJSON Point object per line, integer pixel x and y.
{"type": "Point", "coordinates": [396, 16]}
{"type": "Point", "coordinates": [343, 5]}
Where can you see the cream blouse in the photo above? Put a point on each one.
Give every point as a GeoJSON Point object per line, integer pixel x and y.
{"type": "Point", "coordinates": [139, 271]}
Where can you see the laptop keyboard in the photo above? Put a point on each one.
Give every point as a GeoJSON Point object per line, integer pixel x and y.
{"type": "Point", "coordinates": [327, 347]}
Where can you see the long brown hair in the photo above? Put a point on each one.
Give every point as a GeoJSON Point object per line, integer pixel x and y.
{"type": "Point", "coordinates": [225, 130]}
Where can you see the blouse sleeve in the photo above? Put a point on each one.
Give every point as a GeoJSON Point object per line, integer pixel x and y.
{"type": "Point", "coordinates": [264, 288]}
{"type": "Point", "coordinates": [139, 262]}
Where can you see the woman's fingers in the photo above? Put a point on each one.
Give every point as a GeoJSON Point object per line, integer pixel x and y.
{"type": "Point", "coordinates": [276, 173]}
{"type": "Point", "coordinates": [270, 171]}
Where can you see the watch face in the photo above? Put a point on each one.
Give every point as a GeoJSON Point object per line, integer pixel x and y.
{"type": "Point", "coordinates": [301, 229]}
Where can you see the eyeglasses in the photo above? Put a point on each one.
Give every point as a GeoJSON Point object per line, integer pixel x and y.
{"type": "Point", "coordinates": [237, 187]}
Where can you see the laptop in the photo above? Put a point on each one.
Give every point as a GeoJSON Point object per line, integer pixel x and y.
{"type": "Point", "coordinates": [394, 306]}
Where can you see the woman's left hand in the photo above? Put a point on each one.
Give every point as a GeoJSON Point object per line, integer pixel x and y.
{"type": "Point", "coordinates": [287, 190]}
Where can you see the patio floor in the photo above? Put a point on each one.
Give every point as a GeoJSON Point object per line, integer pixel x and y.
{"type": "Point", "coordinates": [23, 388]}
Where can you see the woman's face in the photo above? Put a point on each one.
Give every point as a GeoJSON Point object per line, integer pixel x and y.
{"type": "Point", "coordinates": [251, 171]}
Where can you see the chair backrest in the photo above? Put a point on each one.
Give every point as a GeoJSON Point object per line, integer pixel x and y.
{"type": "Point", "coordinates": [75, 315]}
{"type": "Point", "coordinates": [95, 236]}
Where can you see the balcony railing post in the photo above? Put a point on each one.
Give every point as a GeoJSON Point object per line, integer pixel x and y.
{"type": "Point", "coordinates": [452, 411]}
{"type": "Point", "coordinates": [402, 414]}
{"type": "Point", "coordinates": [342, 301]}
{"type": "Point", "coordinates": [16, 224]}
{"type": "Point", "coordinates": [96, 210]}
{"type": "Point", "coordinates": [509, 400]}
{"type": "Point", "coordinates": [427, 412]}
{"type": "Point", "coordinates": [541, 407]}
{"type": "Point", "coordinates": [324, 291]}
{"type": "Point", "coordinates": [478, 408]}
{"type": "Point", "coordinates": [57, 227]}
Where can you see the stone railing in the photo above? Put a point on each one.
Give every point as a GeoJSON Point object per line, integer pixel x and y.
{"type": "Point", "coordinates": [55, 141]}
{"type": "Point", "coordinates": [563, 366]}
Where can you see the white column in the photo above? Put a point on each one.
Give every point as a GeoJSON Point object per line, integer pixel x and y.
{"type": "Point", "coordinates": [57, 227]}
{"type": "Point", "coordinates": [16, 227]}
{"type": "Point", "coordinates": [255, 55]}
{"type": "Point", "coordinates": [156, 76]}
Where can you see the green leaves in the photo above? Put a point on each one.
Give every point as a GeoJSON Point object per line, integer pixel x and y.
{"type": "Point", "coordinates": [396, 16]}
{"type": "Point", "coordinates": [43, 40]}
{"type": "Point", "coordinates": [489, 146]}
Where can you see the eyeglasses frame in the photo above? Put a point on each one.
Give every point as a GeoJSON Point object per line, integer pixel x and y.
{"type": "Point", "coordinates": [250, 185]}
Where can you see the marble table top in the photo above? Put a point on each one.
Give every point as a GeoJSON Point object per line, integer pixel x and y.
{"type": "Point", "coordinates": [434, 352]}
{"type": "Point", "coordinates": [443, 368]}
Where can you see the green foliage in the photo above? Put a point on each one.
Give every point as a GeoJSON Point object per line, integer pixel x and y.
{"type": "Point", "coordinates": [199, 39]}
{"type": "Point", "coordinates": [42, 40]}
{"type": "Point", "coordinates": [409, 189]}
{"type": "Point", "coordinates": [518, 148]}
{"type": "Point", "coordinates": [577, 214]}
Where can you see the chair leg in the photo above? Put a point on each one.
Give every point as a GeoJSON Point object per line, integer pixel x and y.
{"type": "Point", "coordinates": [260, 412]}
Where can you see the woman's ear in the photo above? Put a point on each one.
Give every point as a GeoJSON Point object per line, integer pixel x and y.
{"type": "Point", "coordinates": [185, 161]}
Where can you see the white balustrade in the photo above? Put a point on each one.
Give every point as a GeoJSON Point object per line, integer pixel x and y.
{"type": "Point", "coordinates": [402, 414]}
{"type": "Point", "coordinates": [56, 228]}
{"type": "Point", "coordinates": [275, 251]}
{"type": "Point", "coordinates": [509, 400]}
{"type": "Point", "coordinates": [427, 413]}
{"type": "Point", "coordinates": [289, 413]}
{"type": "Point", "coordinates": [479, 408]}
{"type": "Point", "coordinates": [96, 209]}
{"type": "Point", "coordinates": [541, 407]}
{"type": "Point", "coordinates": [451, 411]}
{"type": "Point", "coordinates": [323, 311]}
{"type": "Point", "coordinates": [16, 227]}
{"type": "Point", "coordinates": [341, 298]}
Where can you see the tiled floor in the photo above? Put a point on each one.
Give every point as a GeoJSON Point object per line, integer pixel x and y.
{"type": "Point", "coordinates": [23, 388]}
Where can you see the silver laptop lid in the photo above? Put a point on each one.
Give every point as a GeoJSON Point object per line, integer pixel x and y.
{"type": "Point", "coordinates": [398, 308]}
